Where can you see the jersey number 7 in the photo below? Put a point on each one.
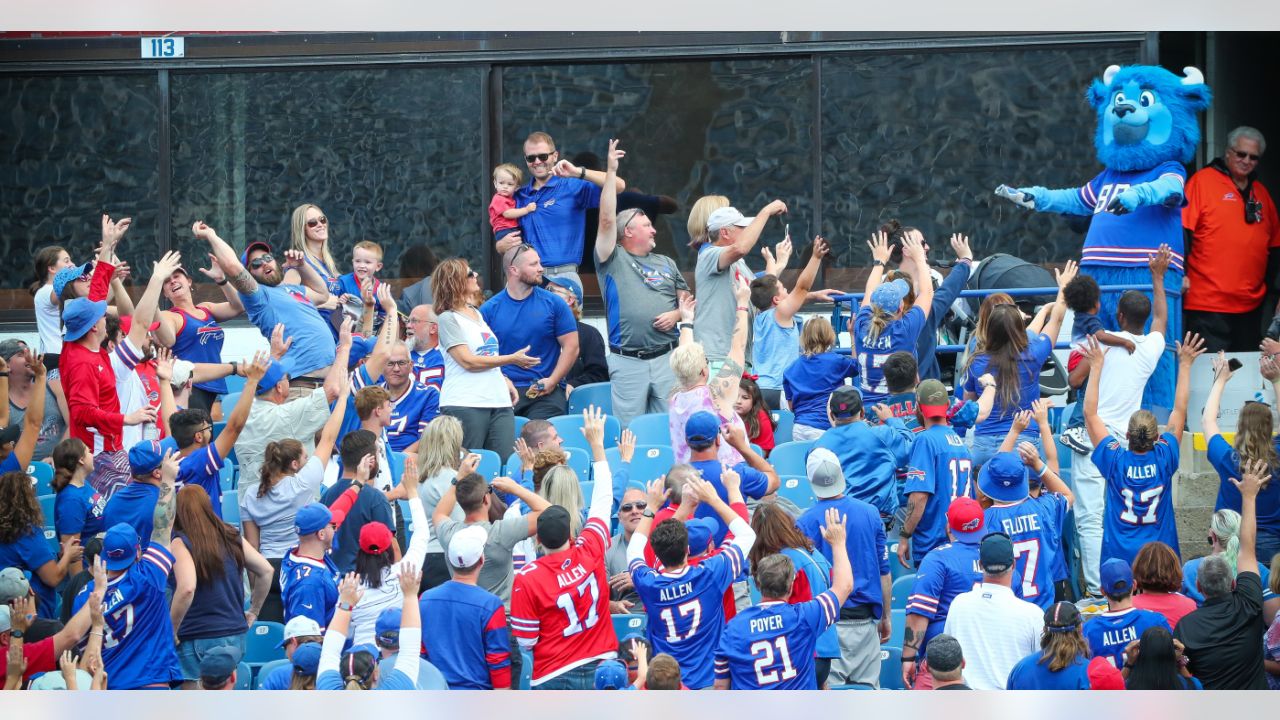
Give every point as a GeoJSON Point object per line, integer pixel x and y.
{"type": "Point", "coordinates": [565, 602]}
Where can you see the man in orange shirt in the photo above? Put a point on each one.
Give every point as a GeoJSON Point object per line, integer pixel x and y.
{"type": "Point", "coordinates": [1233, 224]}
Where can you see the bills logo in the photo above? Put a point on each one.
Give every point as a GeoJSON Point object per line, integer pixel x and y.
{"type": "Point", "coordinates": [488, 346]}
{"type": "Point", "coordinates": [549, 203]}
{"type": "Point", "coordinates": [299, 296]}
{"type": "Point", "coordinates": [972, 525]}
{"type": "Point", "coordinates": [1230, 196]}
{"type": "Point", "coordinates": [653, 278]}
{"type": "Point", "coordinates": [208, 334]}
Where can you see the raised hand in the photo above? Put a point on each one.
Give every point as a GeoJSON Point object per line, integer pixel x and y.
{"type": "Point", "coordinates": [504, 485]}
{"type": "Point", "coordinates": [729, 478]}
{"type": "Point", "coordinates": [593, 426]}
{"type": "Point", "coordinates": [293, 259]}
{"type": "Point", "coordinates": [410, 577]}
{"type": "Point", "coordinates": [626, 445]}
{"type": "Point", "coordinates": [1040, 409]}
{"type": "Point", "coordinates": [742, 291]}
{"type": "Point", "coordinates": [525, 452]}
{"type": "Point", "coordinates": [214, 272]}
{"type": "Point", "coordinates": [169, 468]}
{"type": "Point", "coordinates": [1192, 347]}
{"type": "Point", "coordinates": [565, 169]}
{"type": "Point", "coordinates": [1269, 368]}
{"type": "Point", "coordinates": [688, 306]}
{"type": "Point", "coordinates": [879, 244]}
{"type": "Point", "coordinates": [202, 231]}
{"type": "Point", "coordinates": [1016, 196]}
{"type": "Point", "coordinates": [1029, 454]}
{"type": "Point", "coordinates": [281, 344]}
{"type": "Point", "coordinates": [468, 464]}
{"type": "Point", "coordinates": [1159, 262]}
{"type": "Point", "coordinates": [365, 468]}
{"type": "Point", "coordinates": [913, 246]}
{"type": "Point", "coordinates": [1221, 367]}
{"type": "Point", "coordinates": [164, 362]}
{"type": "Point", "coordinates": [349, 590]}
{"type": "Point", "coordinates": [258, 367]}
{"type": "Point", "coordinates": [1022, 421]}
{"type": "Point", "coordinates": [165, 266]}
{"type": "Point", "coordinates": [1255, 476]}
{"type": "Point", "coordinates": [821, 248]}
{"type": "Point", "coordinates": [344, 333]}
{"type": "Point", "coordinates": [777, 207]}
{"type": "Point", "coordinates": [112, 232]}
{"type": "Point", "coordinates": [882, 411]}
{"type": "Point", "coordinates": [1066, 274]}
{"type": "Point", "coordinates": [960, 246]}
{"type": "Point", "coordinates": [656, 494]}
{"type": "Point", "coordinates": [833, 530]}
{"type": "Point", "coordinates": [614, 155]}
{"type": "Point", "coordinates": [1094, 353]}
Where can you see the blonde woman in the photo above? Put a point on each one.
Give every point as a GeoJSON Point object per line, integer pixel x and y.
{"type": "Point", "coordinates": [309, 234]}
{"type": "Point", "coordinates": [809, 381]}
{"type": "Point", "coordinates": [440, 457]}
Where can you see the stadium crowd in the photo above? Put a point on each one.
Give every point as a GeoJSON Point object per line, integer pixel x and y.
{"type": "Point", "coordinates": [471, 494]}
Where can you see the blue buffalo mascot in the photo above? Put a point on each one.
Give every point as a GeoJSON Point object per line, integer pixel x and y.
{"type": "Point", "coordinates": [1147, 130]}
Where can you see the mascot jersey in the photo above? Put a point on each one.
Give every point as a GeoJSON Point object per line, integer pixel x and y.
{"type": "Point", "coordinates": [1125, 240]}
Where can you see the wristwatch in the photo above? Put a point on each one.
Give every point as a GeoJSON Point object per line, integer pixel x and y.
{"type": "Point", "coordinates": [582, 173]}
{"type": "Point", "coordinates": [647, 513]}
{"type": "Point", "coordinates": [877, 263]}
{"type": "Point", "coordinates": [15, 634]}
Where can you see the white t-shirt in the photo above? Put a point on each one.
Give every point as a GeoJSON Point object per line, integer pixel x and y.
{"type": "Point", "coordinates": [274, 512]}
{"type": "Point", "coordinates": [996, 631]}
{"type": "Point", "coordinates": [463, 388]}
{"type": "Point", "coordinates": [48, 321]}
{"type": "Point", "coordinates": [1123, 378]}
{"type": "Point", "coordinates": [388, 595]}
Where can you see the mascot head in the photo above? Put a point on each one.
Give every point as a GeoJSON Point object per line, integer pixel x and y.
{"type": "Point", "coordinates": [1147, 115]}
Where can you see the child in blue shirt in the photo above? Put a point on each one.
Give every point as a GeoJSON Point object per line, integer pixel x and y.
{"type": "Point", "coordinates": [366, 261]}
{"type": "Point", "coordinates": [776, 327]}
{"type": "Point", "coordinates": [884, 324]}
{"type": "Point", "coordinates": [811, 379]}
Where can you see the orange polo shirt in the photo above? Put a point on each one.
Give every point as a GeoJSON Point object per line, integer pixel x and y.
{"type": "Point", "coordinates": [1228, 258]}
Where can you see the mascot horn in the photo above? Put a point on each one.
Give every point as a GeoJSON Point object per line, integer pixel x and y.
{"type": "Point", "coordinates": [1147, 130]}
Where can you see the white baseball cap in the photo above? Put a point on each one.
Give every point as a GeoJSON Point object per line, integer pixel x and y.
{"type": "Point", "coordinates": [467, 546]}
{"type": "Point", "coordinates": [300, 626]}
{"type": "Point", "coordinates": [724, 217]}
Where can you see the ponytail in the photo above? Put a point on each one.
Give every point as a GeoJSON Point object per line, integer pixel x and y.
{"type": "Point", "coordinates": [277, 458]}
{"type": "Point", "coordinates": [357, 670]}
{"type": "Point", "coordinates": [66, 457]}
{"type": "Point", "coordinates": [1225, 525]}
{"type": "Point", "coordinates": [879, 321]}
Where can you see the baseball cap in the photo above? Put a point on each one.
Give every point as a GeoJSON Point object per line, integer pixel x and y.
{"type": "Point", "coordinates": [701, 531]}
{"type": "Point", "coordinates": [6, 621]}
{"type": "Point", "coordinates": [145, 456]}
{"type": "Point", "coordinates": [611, 675]}
{"type": "Point", "coordinates": [11, 433]}
{"type": "Point", "coordinates": [467, 546]}
{"type": "Point", "coordinates": [965, 517]}
{"type": "Point", "coordinates": [53, 680]}
{"type": "Point", "coordinates": [553, 527]}
{"type": "Point", "coordinates": [932, 399]}
{"type": "Point", "coordinates": [888, 296]}
{"type": "Point", "coordinates": [945, 653]}
{"type": "Point", "coordinates": [701, 429]}
{"type": "Point", "coordinates": [846, 401]}
{"type": "Point", "coordinates": [300, 626]}
{"type": "Point", "coordinates": [126, 324]}
{"type": "Point", "coordinates": [826, 476]}
{"type": "Point", "coordinates": [79, 316]}
{"type": "Point", "coordinates": [386, 631]}
{"type": "Point", "coordinates": [120, 546]}
{"type": "Point", "coordinates": [1102, 674]}
{"type": "Point", "coordinates": [11, 347]}
{"type": "Point", "coordinates": [271, 377]}
{"type": "Point", "coordinates": [1117, 577]}
{"type": "Point", "coordinates": [724, 217]}
{"type": "Point", "coordinates": [1004, 477]}
{"type": "Point", "coordinates": [995, 553]}
{"type": "Point", "coordinates": [218, 664]}
{"type": "Point", "coordinates": [569, 284]}
{"type": "Point", "coordinates": [312, 518]}
{"type": "Point", "coordinates": [255, 245]}
{"type": "Point", "coordinates": [376, 538]}
{"type": "Point", "coordinates": [13, 585]}
{"type": "Point", "coordinates": [68, 275]}
{"type": "Point", "coordinates": [306, 657]}
{"type": "Point", "coordinates": [1062, 617]}
{"type": "Point", "coordinates": [182, 370]}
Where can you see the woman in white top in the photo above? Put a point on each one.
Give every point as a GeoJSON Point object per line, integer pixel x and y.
{"type": "Point", "coordinates": [48, 261]}
{"type": "Point", "coordinates": [440, 460]}
{"type": "Point", "coordinates": [289, 480]}
{"type": "Point", "coordinates": [475, 391]}
{"type": "Point", "coordinates": [376, 562]}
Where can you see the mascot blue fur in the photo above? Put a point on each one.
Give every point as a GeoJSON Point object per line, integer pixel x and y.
{"type": "Point", "coordinates": [1147, 130]}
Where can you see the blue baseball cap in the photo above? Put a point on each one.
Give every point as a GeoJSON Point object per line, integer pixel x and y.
{"type": "Point", "coordinates": [568, 283]}
{"type": "Point", "coordinates": [365, 648]}
{"type": "Point", "coordinates": [611, 675]}
{"type": "Point", "coordinates": [255, 245]}
{"type": "Point", "coordinates": [146, 456]}
{"type": "Point", "coordinates": [120, 546]}
{"type": "Point", "coordinates": [79, 316]}
{"type": "Point", "coordinates": [1004, 477]}
{"type": "Point", "coordinates": [306, 657]}
{"type": "Point", "coordinates": [386, 631]}
{"type": "Point", "coordinates": [312, 518]}
{"type": "Point", "coordinates": [218, 664]}
{"type": "Point", "coordinates": [701, 532]}
{"type": "Point", "coordinates": [68, 275]}
{"type": "Point", "coordinates": [888, 296]}
{"type": "Point", "coordinates": [273, 375]}
{"type": "Point", "coordinates": [1117, 577]}
{"type": "Point", "coordinates": [701, 429]}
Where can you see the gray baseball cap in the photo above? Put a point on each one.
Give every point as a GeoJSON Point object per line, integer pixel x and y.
{"type": "Point", "coordinates": [13, 585]}
{"type": "Point", "coordinates": [826, 477]}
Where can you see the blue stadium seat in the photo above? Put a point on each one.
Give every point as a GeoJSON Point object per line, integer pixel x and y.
{"type": "Point", "coordinates": [490, 465]}
{"type": "Point", "coordinates": [899, 620]}
{"type": "Point", "coordinates": [396, 460]}
{"type": "Point", "coordinates": [649, 462]}
{"type": "Point", "coordinates": [891, 668]}
{"type": "Point", "coordinates": [587, 486]}
{"type": "Point", "coordinates": [788, 458]}
{"type": "Point", "coordinates": [261, 643]}
{"type": "Point", "coordinates": [228, 401]}
{"type": "Point", "coordinates": [41, 477]}
{"type": "Point", "coordinates": [407, 514]}
{"type": "Point", "coordinates": [901, 589]}
{"type": "Point", "coordinates": [244, 677]}
{"type": "Point", "coordinates": [217, 428]}
{"type": "Point", "coordinates": [624, 625]}
{"type": "Point", "coordinates": [265, 671]}
{"type": "Point", "coordinates": [520, 423]}
{"type": "Point", "coordinates": [526, 669]}
{"type": "Point", "coordinates": [580, 462]}
{"type": "Point", "coordinates": [598, 394]}
{"type": "Point", "coordinates": [757, 449]}
{"type": "Point", "coordinates": [235, 384]}
{"type": "Point", "coordinates": [46, 508]}
{"type": "Point", "coordinates": [570, 429]}
{"type": "Point", "coordinates": [752, 591]}
{"type": "Point", "coordinates": [785, 420]}
{"type": "Point", "coordinates": [227, 476]}
{"type": "Point", "coordinates": [651, 429]}
{"type": "Point", "coordinates": [231, 508]}
{"type": "Point", "coordinates": [1063, 418]}
{"type": "Point", "coordinates": [796, 488]}
{"type": "Point", "coordinates": [896, 568]}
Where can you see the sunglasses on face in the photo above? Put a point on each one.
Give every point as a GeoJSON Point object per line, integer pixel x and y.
{"type": "Point", "coordinates": [631, 506]}
{"type": "Point", "coordinates": [538, 157]}
{"type": "Point", "coordinates": [261, 260]}
{"type": "Point", "coordinates": [1241, 155]}
{"type": "Point", "coordinates": [473, 274]}
{"type": "Point", "coordinates": [313, 222]}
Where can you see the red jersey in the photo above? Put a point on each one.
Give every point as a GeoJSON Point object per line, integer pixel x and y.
{"type": "Point", "coordinates": [89, 382]}
{"type": "Point", "coordinates": [561, 602]}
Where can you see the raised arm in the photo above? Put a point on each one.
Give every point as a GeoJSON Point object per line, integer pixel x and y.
{"type": "Point", "coordinates": [1254, 476]}
{"type": "Point", "coordinates": [606, 231]}
{"type": "Point", "coordinates": [167, 503]}
{"type": "Point", "coordinates": [226, 258]}
{"type": "Point", "coordinates": [736, 436]}
{"type": "Point", "coordinates": [332, 426]}
{"type": "Point", "coordinates": [913, 245]}
{"type": "Point", "coordinates": [724, 386]}
{"type": "Point", "coordinates": [149, 303]}
{"type": "Point", "coordinates": [1040, 411]}
{"type": "Point", "coordinates": [750, 234]}
{"type": "Point", "coordinates": [1159, 263]}
{"type": "Point", "coordinates": [317, 288]}
{"type": "Point", "coordinates": [1189, 349]}
{"type": "Point", "coordinates": [566, 169]}
{"type": "Point", "coordinates": [1221, 374]}
{"type": "Point", "coordinates": [795, 300]}
{"type": "Point", "coordinates": [164, 378]}
{"type": "Point", "coordinates": [1096, 356]}
{"type": "Point", "coordinates": [337, 377]}
{"type": "Point", "coordinates": [376, 363]}
{"type": "Point", "coordinates": [34, 418]}
{"type": "Point", "coordinates": [1066, 275]}
{"type": "Point", "coordinates": [879, 244]}
{"type": "Point", "coordinates": [602, 492]}
{"type": "Point", "coordinates": [743, 536]}
{"type": "Point", "coordinates": [222, 311]}
{"type": "Point", "coordinates": [833, 531]}
{"type": "Point", "coordinates": [240, 413]}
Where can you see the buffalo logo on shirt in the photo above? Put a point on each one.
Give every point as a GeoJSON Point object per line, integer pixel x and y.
{"type": "Point", "coordinates": [1230, 196]}
{"type": "Point", "coordinates": [549, 203]}
{"type": "Point", "coordinates": [209, 333]}
{"type": "Point", "coordinates": [299, 296]}
{"type": "Point", "coordinates": [488, 346]}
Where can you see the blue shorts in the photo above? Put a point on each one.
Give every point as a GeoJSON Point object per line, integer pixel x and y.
{"type": "Point", "coordinates": [505, 232]}
{"type": "Point", "coordinates": [191, 652]}
{"type": "Point", "coordinates": [984, 446]}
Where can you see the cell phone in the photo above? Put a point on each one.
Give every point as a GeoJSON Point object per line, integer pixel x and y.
{"type": "Point", "coordinates": [786, 231]}
{"type": "Point", "coordinates": [1234, 364]}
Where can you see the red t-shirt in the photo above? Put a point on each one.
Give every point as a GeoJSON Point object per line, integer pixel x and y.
{"type": "Point", "coordinates": [39, 655]}
{"type": "Point", "coordinates": [498, 205]}
{"type": "Point", "coordinates": [764, 438]}
{"type": "Point", "coordinates": [1173, 606]}
{"type": "Point", "coordinates": [1228, 259]}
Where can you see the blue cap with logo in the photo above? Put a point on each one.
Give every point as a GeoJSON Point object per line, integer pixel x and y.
{"type": "Point", "coordinates": [271, 377]}
{"type": "Point", "coordinates": [701, 429]}
{"type": "Point", "coordinates": [312, 518]}
{"type": "Point", "coordinates": [1004, 477]}
{"type": "Point", "coordinates": [386, 631]}
{"type": "Point", "coordinates": [611, 675]}
{"type": "Point", "coordinates": [120, 546]}
{"type": "Point", "coordinates": [888, 296]}
{"type": "Point", "coordinates": [569, 284]}
{"type": "Point", "coordinates": [146, 455]}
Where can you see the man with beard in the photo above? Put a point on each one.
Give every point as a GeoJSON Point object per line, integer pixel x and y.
{"type": "Point", "coordinates": [267, 300]}
{"type": "Point", "coordinates": [525, 316]}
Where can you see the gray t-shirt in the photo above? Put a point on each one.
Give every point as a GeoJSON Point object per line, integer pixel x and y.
{"type": "Point", "coordinates": [430, 490]}
{"type": "Point", "coordinates": [615, 561]}
{"type": "Point", "coordinates": [51, 430]}
{"type": "Point", "coordinates": [497, 574]}
{"type": "Point", "coordinates": [713, 319]}
{"type": "Point", "coordinates": [649, 284]}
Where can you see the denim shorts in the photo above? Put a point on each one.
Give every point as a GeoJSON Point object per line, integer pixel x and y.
{"type": "Point", "coordinates": [191, 652]}
{"type": "Point", "coordinates": [984, 446]}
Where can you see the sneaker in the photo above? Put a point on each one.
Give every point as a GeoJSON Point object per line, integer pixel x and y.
{"type": "Point", "coordinates": [1077, 438]}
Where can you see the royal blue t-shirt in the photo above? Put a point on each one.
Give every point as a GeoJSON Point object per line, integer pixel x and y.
{"type": "Point", "coordinates": [1032, 674]}
{"type": "Point", "coordinates": [1226, 461]}
{"type": "Point", "coordinates": [556, 228]}
{"type": "Point", "coordinates": [349, 285]}
{"type": "Point", "coordinates": [898, 336]}
{"type": "Point", "coordinates": [314, 346]}
{"type": "Point", "coordinates": [537, 321]}
{"type": "Point", "coordinates": [135, 505]}
{"type": "Point", "coordinates": [1032, 526]}
{"type": "Point", "coordinates": [1029, 364]}
{"type": "Point", "coordinates": [809, 381]}
{"type": "Point", "coordinates": [755, 485]}
{"type": "Point", "coordinates": [864, 541]}
{"type": "Point", "coordinates": [202, 468]}
{"type": "Point", "coordinates": [870, 456]}
{"type": "Point", "coordinates": [10, 464]}
{"type": "Point", "coordinates": [29, 552]}
{"type": "Point", "coordinates": [771, 646]}
{"type": "Point", "coordinates": [1109, 633]}
{"type": "Point", "coordinates": [1139, 506]}
{"type": "Point", "coordinates": [464, 633]}
{"type": "Point", "coordinates": [78, 511]}
{"type": "Point", "coordinates": [939, 467]}
{"type": "Point", "coordinates": [428, 367]}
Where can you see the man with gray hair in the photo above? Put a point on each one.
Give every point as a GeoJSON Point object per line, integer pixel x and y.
{"type": "Point", "coordinates": [1220, 639]}
{"type": "Point", "coordinates": [642, 328]}
{"type": "Point", "coordinates": [946, 663]}
{"type": "Point", "coordinates": [1231, 224]}
{"type": "Point", "coordinates": [424, 346]}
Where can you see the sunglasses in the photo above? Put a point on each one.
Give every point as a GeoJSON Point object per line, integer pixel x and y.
{"type": "Point", "coordinates": [473, 274]}
{"type": "Point", "coordinates": [261, 260]}
{"type": "Point", "coordinates": [631, 506]}
{"type": "Point", "coordinates": [1240, 155]}
{"type": "Point", "coordinates": [538, 157]}
{"type": "Point", "coordinates": [522, 247]}
{"type": "Point", "coordinates": [635, 214]}
{"type": "Point", "coordinates": [313, 222]}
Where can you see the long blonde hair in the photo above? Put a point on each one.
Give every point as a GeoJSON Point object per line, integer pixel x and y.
{"type": "Point", "coordinates": [1253, 436]}
{"type": "Point", "coordinates": [298, 233]}
{"type": "Point", "coordinates": [1060, 649]}
{"type": "Point", "coordinates": [700, 213]}
{"type": "Point", "coordinates": [440, 446]}
{"type": "Point", "coordinates": [560, 487]}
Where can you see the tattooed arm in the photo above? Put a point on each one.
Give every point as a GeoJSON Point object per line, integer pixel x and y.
{"type": "Point", "coordinates": [227, 259]}
{"type": "Point", "coordinates": [167, 504]}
